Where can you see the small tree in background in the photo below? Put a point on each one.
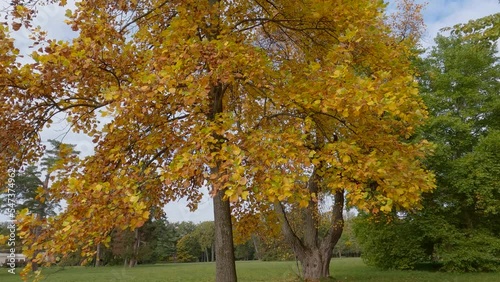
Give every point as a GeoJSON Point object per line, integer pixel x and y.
{"type": "Point", "coordinates": [33, 194]}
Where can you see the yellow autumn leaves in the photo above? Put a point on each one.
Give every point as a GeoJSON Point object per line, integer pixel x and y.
{"type": "Point", "coordinates": [241, 97]}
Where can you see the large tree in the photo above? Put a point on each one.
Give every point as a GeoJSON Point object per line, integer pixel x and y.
{"type": "Point", "coordinates": [458, 226]}
{"type": "Point", "coordinates": [341, 132]}
{"type": "Point", "coordinates": [278, 101]}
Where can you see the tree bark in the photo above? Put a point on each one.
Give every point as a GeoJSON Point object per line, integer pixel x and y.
{"type": "Point", "coordinates": [38, 229]}
{"type": "Point", "coordinates": [98, 255]}
{"type": "Point", "coordinates": [314, 253]}
{"type": "Point", "coordinates": [225, 268]}
{"type": "Point", "coordinates": [135, 249]}
{"type": "Point", "coordinates": [316, 264]}
{"type": "Point", "coordinates": [212, 251]}
{"type": "Point", "coordinates": [256, 246]}
{"type": "Point", "coordinates": [34, 263]}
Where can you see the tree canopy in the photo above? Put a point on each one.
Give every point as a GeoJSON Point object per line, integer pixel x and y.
{"type": "Point", "coordinates": [261, 101]}
{"type": "Point", "coordinates": [458, 225]}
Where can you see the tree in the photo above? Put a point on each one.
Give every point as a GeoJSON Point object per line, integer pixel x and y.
{"type": "Point", "coordinates": [205, 234]}
{"type": "Point", "coordinates": [155, 241]}
{"type": "Point", "coordinates": [348, 244]}
{"type": "Point", "coordinates": [484, 29]}
{"type": "Point", "coordinates": [460, 85]}
{"type": "Point", "coordinates": [284, 102]}
{"type": "Point", "coordinates": [245, 251]}
{"type": "Point", "coordinates": [462, 93]}
{"type": "Point", "coordinates": [188, 248]}
{"type": "Point", "coordinates": [167, 235]}
{"type": "Point", "coordinates": [346, 144]}
{"type": "Point", "coordinates": [33, 194]}
{"type": "Point", "coordinates": [27, 183]}
{"type": "Point", "coordinates": [33, 190]}
{"type": "Point", "coordinates": [391, 243]}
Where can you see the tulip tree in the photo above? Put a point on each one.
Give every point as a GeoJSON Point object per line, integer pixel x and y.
{"type": "Point", "coordinates": [269, 104]}
{"type": "Point", "coordinates": [341, 130]}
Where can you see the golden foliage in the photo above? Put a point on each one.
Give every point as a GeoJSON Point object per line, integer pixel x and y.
{"type": "Point", "coordinates": [308, 84]}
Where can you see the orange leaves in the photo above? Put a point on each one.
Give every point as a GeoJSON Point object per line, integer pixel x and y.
{"type": "Point", "coordinates": [16, 26]}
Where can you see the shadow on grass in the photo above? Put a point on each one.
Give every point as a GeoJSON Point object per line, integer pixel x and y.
{"type": "Point", "coordinates": [429, 266]}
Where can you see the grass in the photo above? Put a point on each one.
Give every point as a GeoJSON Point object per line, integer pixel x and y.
{"type": "Point", "coordinates": [346, 269]}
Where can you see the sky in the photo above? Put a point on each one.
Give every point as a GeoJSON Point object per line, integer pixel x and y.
{"type": "Point", "coordinates": [445, 13]}
{"type": "Point", "coordinates": [437, 15]}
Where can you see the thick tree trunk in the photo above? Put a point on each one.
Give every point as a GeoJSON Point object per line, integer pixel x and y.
{"type": "Point", "coordinates": [225, 268]}
{"type": "Point", "coordinates": [316, 264]}
{"type": "Point", "coordinates": [314, 253]}
{"type": "Point", "coordinates": [224, 251]}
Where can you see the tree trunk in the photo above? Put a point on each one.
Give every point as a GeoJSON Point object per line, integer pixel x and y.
{"type": "Point", "coordinates": [225, 268]}
{"type": "Point", "coordinates": [316, 264]}
{"type": "Point", "coordinates": [315, 260]}
{"type": "Point", "coordinates": [212, 251]}
{"type": "Point", "coordinates": [314, 254]}
{"type": "Point", "coordinates": [41, 216]}
{"type": "Point", "coordinates": [135, 249]}
{"type": "Point", "coordinates": [256, 246]}
{"type": "Point", "coordinates": [98, 255]}
{"type": "Point", "coordinates": [34, 264]}
{"type": "Point", "coordinates": [37, 232]}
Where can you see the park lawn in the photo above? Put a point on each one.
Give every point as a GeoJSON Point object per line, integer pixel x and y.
{"type": "Point", "coordinates": [346, 269]}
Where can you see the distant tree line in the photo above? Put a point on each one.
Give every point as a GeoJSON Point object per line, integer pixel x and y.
{"type": "Point", "coordinates": [161, 241]}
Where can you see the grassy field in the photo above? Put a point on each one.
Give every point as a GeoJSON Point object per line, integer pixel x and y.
{"type": "Point", "coordinates": [346, 269]}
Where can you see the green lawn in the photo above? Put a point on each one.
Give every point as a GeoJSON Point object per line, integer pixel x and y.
{"type": "Point", "coordinates": [347, 269]}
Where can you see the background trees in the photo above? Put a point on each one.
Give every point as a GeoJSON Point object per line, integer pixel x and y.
{"type": "Point", "coordinates": [462, 95]}
{"type": "Point", "coordinates": [460, 85]}
{"type": "Point", "coordinates": [33, 193]}
{"type": "Point", "coordinates": [32, 189]}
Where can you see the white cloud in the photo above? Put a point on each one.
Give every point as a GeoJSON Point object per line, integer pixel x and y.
{"type": "Point", "coordinates": [178, 211]}
{"type": "Point", "coordinates": [61, 131]}
{"type": "Point", "coordinates": [49, 18]}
